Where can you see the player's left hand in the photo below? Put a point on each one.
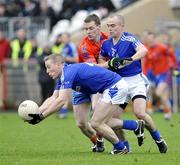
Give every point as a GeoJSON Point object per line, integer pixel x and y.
{"type": "Point", "coordinates": [114, 63]}
{"type": "Point", "coordinates": [118, 63]}
{"type": "Point", "coordinates": [125, 61]}
{"type": "Point", "coordinates": [36, 118]}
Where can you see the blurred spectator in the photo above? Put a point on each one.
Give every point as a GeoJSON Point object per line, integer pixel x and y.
{"type": "Point", "coordinates": [56, 5]}
{"type": "Point", "coordinates": [21, 47]}
{"type": "Point", "coordinates": [70, 50]}
{"type": "Point", "coordinates": [47, 11]}
{"type": "Point", "coordinates": [45, 81]}
{"type": "Point", "coordinates": [4, 48]}
{"type": "Point", "coordinates": [3, 10]}
{"type": "Point", "coordinates": [15, 8]}
{"type": "Point", "coordinates": [58, 46]}
{"type": "Point", "coordinates": [31, 8]}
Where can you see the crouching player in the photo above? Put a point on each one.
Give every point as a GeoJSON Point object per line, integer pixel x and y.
{"type": "Point", "coordinates": [90, 79]}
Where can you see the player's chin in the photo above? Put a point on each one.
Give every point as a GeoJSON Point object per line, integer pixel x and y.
{"type": "Point", "coordinates": [52, 76]}
{"type": "Point", "coordinates": [90, 37]}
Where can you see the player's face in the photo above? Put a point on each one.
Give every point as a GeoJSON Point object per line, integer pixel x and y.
{"type": "Point", "coordinates": [53, 69]}
{"type": "Point", "coordinates": [115, 27]}
{"type": "Point", "coordinates": [92, 30]}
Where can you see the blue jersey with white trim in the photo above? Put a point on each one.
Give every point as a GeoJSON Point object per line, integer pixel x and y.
{"type": "Point", "coordinates": [125, 47]}
{"type": "Point", "coordinates": [87, 78]}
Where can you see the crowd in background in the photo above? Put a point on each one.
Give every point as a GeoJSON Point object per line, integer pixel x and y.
{"type": "Point", "coordinates": [56, 9]}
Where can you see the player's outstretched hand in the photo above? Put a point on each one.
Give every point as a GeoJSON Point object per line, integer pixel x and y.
{"type": "Point", "coordinates": [36, 118]}
{"type": "Point", "coordinates": [118, 63]}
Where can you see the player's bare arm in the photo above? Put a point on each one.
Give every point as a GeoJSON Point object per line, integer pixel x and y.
{"type": "Point", "coordinates": [48, 101]}
{"type": "Point", "coordinates": [141, 51]}
{"type": "Point", "coordinates": [58, 102]}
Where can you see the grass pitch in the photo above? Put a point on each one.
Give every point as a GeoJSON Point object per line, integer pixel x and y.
{"type": "Point", "coordinates": [60, 142]}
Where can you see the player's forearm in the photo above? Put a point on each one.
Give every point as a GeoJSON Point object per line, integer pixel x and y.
{"type": "Point", "coordinates": [139, 54]}
{"type": "Point", "coordinates": [54, 107]}
{"type": "Point", "coordinates": [46, 104]}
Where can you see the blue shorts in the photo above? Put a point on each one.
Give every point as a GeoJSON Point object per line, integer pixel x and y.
{"type": "Point", "coordinates": [161, 78]}
{"type": "Point", "coordinates": [80, 98]}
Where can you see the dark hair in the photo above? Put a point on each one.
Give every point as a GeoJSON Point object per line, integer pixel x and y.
{"type": "Point", "coordinates": [93, 17]}
{"type": "Point", "coordinates": [149, 32]}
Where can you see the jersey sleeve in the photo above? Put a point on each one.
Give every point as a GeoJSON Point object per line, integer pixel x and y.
{"type": "Point", "coordinates": [67, 79]}
{"type": "Point", "coordinates": [135, 41]}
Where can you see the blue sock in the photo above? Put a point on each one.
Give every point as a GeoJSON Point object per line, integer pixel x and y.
{"type": "Point", "coordinates": [63, 111]}
{"type": "Point", "coordinates": [126, 143]}
{"type": "Point", "coordinates": [156, 135]}
{"type": "Point", "coordinates": [119, 145]}
{"type": "Point", "coordinates": [130, 124]}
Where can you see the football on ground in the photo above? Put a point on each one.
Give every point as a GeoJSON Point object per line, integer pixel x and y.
{"type": "Point", "coordinates": [27, 107]}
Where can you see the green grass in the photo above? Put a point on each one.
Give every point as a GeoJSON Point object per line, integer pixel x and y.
{"type": "Point", "coordinates": [60, 142]}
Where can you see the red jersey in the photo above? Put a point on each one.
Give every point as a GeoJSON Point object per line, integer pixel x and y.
{"type": "Point", "coordinates": [88, 51]}
{"type": "Point", "coordinates": [159, 59]}
{"type": "Point", "coordinates": [4, 49]}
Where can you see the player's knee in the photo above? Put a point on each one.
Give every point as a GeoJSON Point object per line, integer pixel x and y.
{"type": "Point", "coordinates": [140, 115]}
{"type": "Point", "coordinates": [94, 125]}
{"type": "Point", "coordinates": [81, 125]}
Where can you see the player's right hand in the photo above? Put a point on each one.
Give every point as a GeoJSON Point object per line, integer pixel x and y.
{"type": "Point", "coordinates": [36, 118]}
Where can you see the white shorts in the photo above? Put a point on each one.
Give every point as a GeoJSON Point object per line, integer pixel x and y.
{"type": "Point", "coordinates": [116, 94]}
{"type": "Point", "coordinates": [137, 85]}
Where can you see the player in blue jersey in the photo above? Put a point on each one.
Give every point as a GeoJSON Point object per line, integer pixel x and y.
{"type": "Point", "coordinates": [90, 79]}
{"type": "Point", "coordinates": [125, 52]}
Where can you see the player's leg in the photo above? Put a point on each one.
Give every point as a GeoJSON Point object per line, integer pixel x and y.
{"type": "Point", "coordinates": [102, 113]}
{"type": "Point", "coordinates": [136, 126]}
{"type": "Point", "coordinates": [138, 87]}
{"type": "Point", "coordinates": [100, 141]}
{"type": "Point", "coordinates": [81, 108]}
{"type": "Point", "coordinates": [81, 113]}
{"type": "Point", "coordinates": [139, 108]}
{"type": "Point", "coordinates": [162, 90]}
{"type": "Point", "coordinates": [120, 132]}
{"type": "Point", "coordinates": [104, 110]}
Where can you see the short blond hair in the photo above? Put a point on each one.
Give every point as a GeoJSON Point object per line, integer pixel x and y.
{"type": "Point", "coordinates": [119, 17]}
{"type": "Point", "coordinates": [55, 58]}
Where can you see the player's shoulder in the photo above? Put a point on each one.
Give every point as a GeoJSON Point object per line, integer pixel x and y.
{"type": "Point", "coordinates": [127, 36]}
{"type": "Point", "coordinates": [162, 46]}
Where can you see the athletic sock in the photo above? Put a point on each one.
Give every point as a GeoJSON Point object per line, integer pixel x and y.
{"type": "Point", "coordinates": [130, 124]}
{"type": "Point", "coordinates": [119, 145]}
{"type": "Point", "coordinates": [155, 135]}
{"type": "Point", "coordinates": [126, 143]}
{"type": "Point", "coordinates": [93, 139]}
